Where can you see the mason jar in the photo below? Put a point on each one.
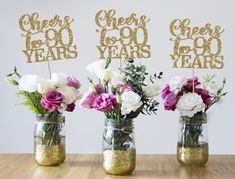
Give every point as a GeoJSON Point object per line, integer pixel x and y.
{"type": "Point", "coordinates": [192, 146]}
{"type": "Point", "coordinates": [119, 152]}
{"type": "Point", "coordinates": [49, 139]}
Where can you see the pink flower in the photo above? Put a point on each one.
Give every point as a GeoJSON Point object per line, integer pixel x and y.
{"type": "Point", "coordinates": [204, 95]}
{"type": "Point", "coordinates": [100, 88]}
{"type": "Point", "coordinates": [123, 88]}
{"type": "Point", "coordinates": [104, 102]}
{"type": "Point", "coordinates": [127, 87]}
{"type": "Point", "coordinates": [189, 85]}
{"type": "Point", "coordinates": [70, 107]}
{"type": "Point", "coordinates": [88, 100]}
{"type": "Point", "coordinates": [171, 101]}
{"type": "Point", "coordinates": [73, 82]}
{"type": "Point", "coordinates": [52, 101]}
{"type": "Point", "coordinates": [165, 91]}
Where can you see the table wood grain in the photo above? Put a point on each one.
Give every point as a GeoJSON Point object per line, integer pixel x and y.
{"type": "Point", "coordinates": [82, 166]}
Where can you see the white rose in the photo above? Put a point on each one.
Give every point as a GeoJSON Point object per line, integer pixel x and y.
{"type": "Point", "coordinates": [59, 79]}
{"type": "Point", "coordinates": [177, 83]}
{"type": "Point", "coordinates": [45, 86]}
{"type": "Point", "coordinates": [212, 88]}
{"type": "Point", "coordinates": [189, 104]}
{"type": "Point", "coordinates": [69, 93]}
{"type": "Point", "coordinates": [96, 67]}
{"type": "Point", "coordinates": [29, 83]}
{"type": "Point", "coordinates": [151, 90]}
{"type": "Point", "coordinates": [117, 78]}
{"type": "Point", "coordinates": [104, 75]}
{"type": "Point", "coordinates": [130, 102]}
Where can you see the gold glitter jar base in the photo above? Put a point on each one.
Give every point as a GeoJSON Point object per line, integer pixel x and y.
{"type": "Point", "coordinates": [49, 155]}
{"type": "Point", "coordinates": [192, 156]}
{"type": "Point", "coordinates": [119, 162]}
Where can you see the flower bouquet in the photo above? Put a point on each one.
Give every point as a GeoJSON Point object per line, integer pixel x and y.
{"type": "Point", "coordinates": [122, 96]}
{"type": "Point", "coordinates": [48, 99]}
{"type": "Point", "coordinates": [192, 98]}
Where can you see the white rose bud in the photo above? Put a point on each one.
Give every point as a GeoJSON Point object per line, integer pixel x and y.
{"type": "Point", "coordinates": [92, 89]}
{"type": "Point", "coordinates": [104, 75]}
{"type": "Point", "coordinates": [119, 99]}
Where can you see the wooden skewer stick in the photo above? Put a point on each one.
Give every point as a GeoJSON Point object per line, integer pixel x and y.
{"type": "Point", "coordinates": [49, 68]}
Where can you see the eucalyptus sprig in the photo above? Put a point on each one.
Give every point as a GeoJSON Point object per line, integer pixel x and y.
{"type": "Point", "coordinates": [136, 76]}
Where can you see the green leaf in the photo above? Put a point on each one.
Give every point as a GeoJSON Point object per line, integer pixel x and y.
{"type": "Point", "coordinates": [12, 82]}
{"type": "Point", "coordinates": [32, 101]}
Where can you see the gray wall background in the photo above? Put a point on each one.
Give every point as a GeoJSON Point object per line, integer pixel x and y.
{"type": "Point", "coordinates": [154, 134]}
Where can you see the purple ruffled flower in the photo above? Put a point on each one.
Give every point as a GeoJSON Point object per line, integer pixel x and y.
{"type": "Point", "coordinates": [127, 87]}
{"type": "Point", "coordinates": [165, 91]}
{"type": "Point", "coordinates": [88, 100]}
{"type": "Point", "coordinates": [73, 82]}
{"type": "Point", "coordinates": [52, 101]}
{"type": "Point", "coordinates": [171, 101]}
{"type": "Point", "coordinates": [100, 88]}
{"type": "Point", "coordinates": [204, 95]}
{"type": "Point", "coordinates": [189, 85]}
{"type": "Point", "coordinates": [104, 102]}
{"type": "Point", "coordinates": [70, 107]}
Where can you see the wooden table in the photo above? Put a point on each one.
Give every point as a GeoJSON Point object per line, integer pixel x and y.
{"type": "Point", "coordinates": [22, 166]}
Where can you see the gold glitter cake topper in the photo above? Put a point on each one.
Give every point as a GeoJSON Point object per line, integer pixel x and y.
{"type": "Point", "coordinates": [122, 37]}
{"type": "Point", "coordinates": [47, 39]}
{"type": "Point", "coordinates": [196, 47]}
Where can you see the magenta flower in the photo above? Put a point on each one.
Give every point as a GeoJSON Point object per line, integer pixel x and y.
{"type": "Point", "coordinates": [52, 101]}
{"type": "Point", "coordinates": [165, 91]}
{"type": "Point", "coordinates": [100, 88]}
{"type": "Point", "coordinates": [204, 95]}
{"type": "Point", "coordinates": [70, 107]}
{"type": "Point", "coordinates": [123, 88]}
{"type": "Point", "coordinates": [73, 82]}
{"type": "Point", "coordinates": [104, 102]}
{"type": "Point", "coordinates": [127, 87]}
{"type": "Point", "coordinates": [189, 85]}
{"type": "Point", "coordinates": [171, 101]}
{"type": "Point", "coordinates": [88, 100]}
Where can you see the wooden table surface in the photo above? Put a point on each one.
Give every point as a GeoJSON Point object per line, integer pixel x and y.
{"type": "Point", "coordinates": [22, 166]}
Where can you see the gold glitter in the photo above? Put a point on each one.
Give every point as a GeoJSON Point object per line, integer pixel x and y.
{"type": "Point", "coordinates": [47, 39]}
{"type": "Point", "coordinates": [49, 155]}
{"type": "Point", "coordinates": [196, 47]}
{"type": "Point", "coordinates": [122, 37]}
{"type": "Point", "coordinates": [119, 162]}
{"type": "Point", "coordinates": [192, 156]}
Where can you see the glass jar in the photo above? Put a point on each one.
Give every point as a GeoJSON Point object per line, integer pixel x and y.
{"type": "Point", "coordinates": [192, 146]}
{"type": "Point", "coordinates": [49, 139]}
{"type": "Point", "coordinates": [119, 153]}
